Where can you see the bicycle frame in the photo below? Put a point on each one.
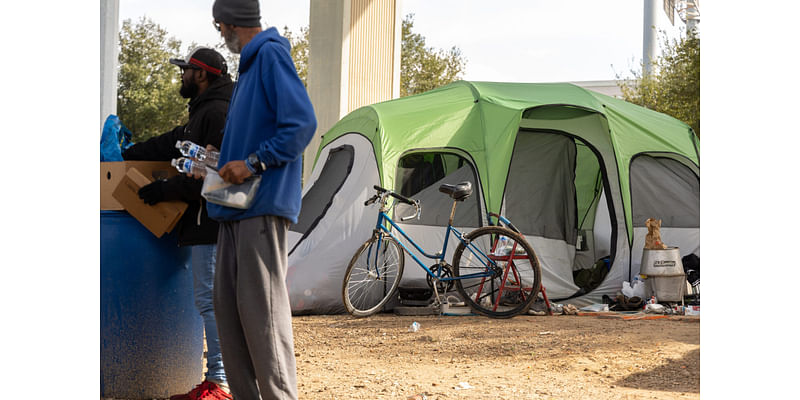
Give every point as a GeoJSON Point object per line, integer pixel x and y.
{"type": "Point", "coordinates": [381, 229]}
{"type": "Point", "coordinates": [491, 251]}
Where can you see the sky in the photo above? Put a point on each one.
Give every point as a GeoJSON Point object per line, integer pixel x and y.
{"type": "Point", "coordinates": [511, 41]}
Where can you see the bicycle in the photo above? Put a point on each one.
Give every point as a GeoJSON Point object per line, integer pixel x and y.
{"type": "Point", "coordinates": [494, 268]}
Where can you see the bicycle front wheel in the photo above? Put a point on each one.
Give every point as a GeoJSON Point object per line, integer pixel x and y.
{"type": "Point", "coordinates": [506, 273]}
{"type": "Point", "coordinates": [372, 276]}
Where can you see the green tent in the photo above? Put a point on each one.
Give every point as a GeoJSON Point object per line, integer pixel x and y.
{"type": "Point", "coordinates": [577, 171]}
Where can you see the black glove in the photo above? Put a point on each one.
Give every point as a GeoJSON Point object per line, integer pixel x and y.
{"type": "Point", "coordinates": [152, 193]}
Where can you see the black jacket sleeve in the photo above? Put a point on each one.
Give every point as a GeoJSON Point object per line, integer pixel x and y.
{"type": "Point", "coordinates": [159, 148]}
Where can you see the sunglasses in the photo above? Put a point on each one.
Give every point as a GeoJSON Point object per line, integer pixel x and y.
{"type": "Point", "coordinates": [216, 26]}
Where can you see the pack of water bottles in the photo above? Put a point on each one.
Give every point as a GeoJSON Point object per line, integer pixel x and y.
{"type": "Point", "coordinates": [198, 161]}
{"type": "Point", "coordinates": [195, 158]}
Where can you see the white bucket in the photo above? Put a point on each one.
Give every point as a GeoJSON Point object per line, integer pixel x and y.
{"type": "Point", "coordinates": [664, 271]}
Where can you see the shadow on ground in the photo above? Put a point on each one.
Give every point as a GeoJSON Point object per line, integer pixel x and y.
{"type": "Point", "coordinates": [681, 375]}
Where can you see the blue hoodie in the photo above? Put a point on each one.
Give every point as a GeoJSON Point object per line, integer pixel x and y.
{"type": "Point", "coordinates": [269, 114]}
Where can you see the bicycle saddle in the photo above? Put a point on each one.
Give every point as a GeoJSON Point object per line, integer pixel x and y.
{"type": "Point", "coordinates": [458, 191]}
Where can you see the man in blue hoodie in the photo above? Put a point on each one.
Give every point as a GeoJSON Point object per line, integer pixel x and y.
{"type": "Point", "coordinates": [270, 121]}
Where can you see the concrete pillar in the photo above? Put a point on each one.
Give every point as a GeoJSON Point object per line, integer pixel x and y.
{"type": "Point", "coordinates": [353, 60]}
{"type": "Point", "coordinates": [649, 35]}
{"type": "Point", "coordinates": [109, 31]}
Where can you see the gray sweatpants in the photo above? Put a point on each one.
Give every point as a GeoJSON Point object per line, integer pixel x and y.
{"type": "Point", "coordinates": [251, 302]}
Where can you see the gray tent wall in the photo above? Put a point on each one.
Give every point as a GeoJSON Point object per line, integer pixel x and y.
{"type": "Point", "coordinates": [321, 249]}
{"type": "Point", "coordinates": [557, 256]}
{"type": "Point", "coordinates": [665, 187]}
{"type": "Point", "coordinates": [540, 200]}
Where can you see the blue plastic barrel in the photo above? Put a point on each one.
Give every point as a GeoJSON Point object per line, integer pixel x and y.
{"type": "Point", "coordinates": [151, 335]}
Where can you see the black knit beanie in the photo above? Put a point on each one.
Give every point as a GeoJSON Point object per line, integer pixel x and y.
{"type": "Point", "coordinates": [237, 12]}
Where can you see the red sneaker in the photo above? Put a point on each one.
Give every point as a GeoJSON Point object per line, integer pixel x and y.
{"type": "Point", "coordinates": [204, 391]}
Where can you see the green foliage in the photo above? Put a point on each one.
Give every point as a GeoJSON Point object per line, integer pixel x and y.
{"type": "Point", "coordinates": [673, 86]}
{"type": "Point", "coordinates": [148, 102]}
{"type": "Point", "coordinates": [424, 68]}
{"type": "Point", "coordinates": [299, 51]}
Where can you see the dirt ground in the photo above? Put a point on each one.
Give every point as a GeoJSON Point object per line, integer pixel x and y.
{"type": "Point", "coordinates": [471, 357]}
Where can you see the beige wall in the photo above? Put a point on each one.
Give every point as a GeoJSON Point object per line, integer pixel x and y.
{"type": "Point", "coordinates": [354, 60]}
{"type": "Point", "coordinates": [372, 53]}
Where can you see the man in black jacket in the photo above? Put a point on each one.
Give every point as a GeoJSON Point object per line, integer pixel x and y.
{"type": "Point", "coordinates": [206, 83]}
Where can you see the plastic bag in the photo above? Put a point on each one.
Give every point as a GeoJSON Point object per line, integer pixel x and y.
{"type": "Point", "coordinates": [595, 308]}
{"type": "Point", "coordinates": [217, 191]}
{"type": "Point", "coordinates": [638, 289]}
{"type": "Point", "coordinates": [654, 309]}
{"type": "Point", "coordinates": [115, 139]}
{"type": "Point", "coordinates": [627, 290]}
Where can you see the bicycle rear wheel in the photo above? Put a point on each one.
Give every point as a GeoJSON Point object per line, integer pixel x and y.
{"type": "Point", "coordinates": [515, 279]}
{"type": "Point", "coordinates": [372, 276]}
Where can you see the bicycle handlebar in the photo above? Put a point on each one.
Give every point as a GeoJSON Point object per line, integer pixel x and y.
{"type": "Point", "coordinates": [417, 210]}
{"type": "Point", "coordinates": [396, 196]}
{"type": "Point", "coordinates": [402, 198]}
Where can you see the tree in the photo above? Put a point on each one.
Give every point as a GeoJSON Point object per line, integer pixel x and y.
{"type": "Point", "coordinates": [299, 51]}
{"type": "Point", "coordinates": [424, 68]}
{"type": "Point", "coordinates": [673, 86]}
{"type": "Point", "coordinates": [148, 102]}
{"type": "Point", "coordinates": [421, 68]}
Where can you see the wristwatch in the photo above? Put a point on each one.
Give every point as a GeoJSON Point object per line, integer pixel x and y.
{"type": "Point", "coordinates": [254, 164]}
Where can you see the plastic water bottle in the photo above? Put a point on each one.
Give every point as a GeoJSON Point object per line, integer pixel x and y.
{"type": "Point", "coordinates": [414, 327]}
{"type": "Point", "coordinates": [188, 166]}
{"type": "Point", "coordinates": [189, 149]}
{"type": "Point", "coordinates": [503, 247]}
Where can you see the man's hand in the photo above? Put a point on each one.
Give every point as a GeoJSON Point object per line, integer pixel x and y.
{"type": "Point", "coordinates": [152, 193]}
{"type": "Point", "coordinates": [235, 172]}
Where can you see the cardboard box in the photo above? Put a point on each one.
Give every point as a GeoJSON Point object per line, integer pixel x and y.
{"type": "Point", "coordinates": [159, 218]}
{"type": "Point", "coordinates": [119, 186]}
{"type": "Point", "coordinates": [111, 173]}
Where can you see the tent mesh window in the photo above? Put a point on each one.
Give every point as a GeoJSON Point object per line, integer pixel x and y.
{"type": "Point", "coordinates": [419, 176]}
{"type": "Point", "coordinates": [540, 190]}
{"type": "Point", "coordinates": [665, 189]}
{"type": "Point", "coordinates": [320, 196]}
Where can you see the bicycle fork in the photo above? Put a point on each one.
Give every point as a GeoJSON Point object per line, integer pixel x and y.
{"type": "Point", "coordinates": [374, 273]}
